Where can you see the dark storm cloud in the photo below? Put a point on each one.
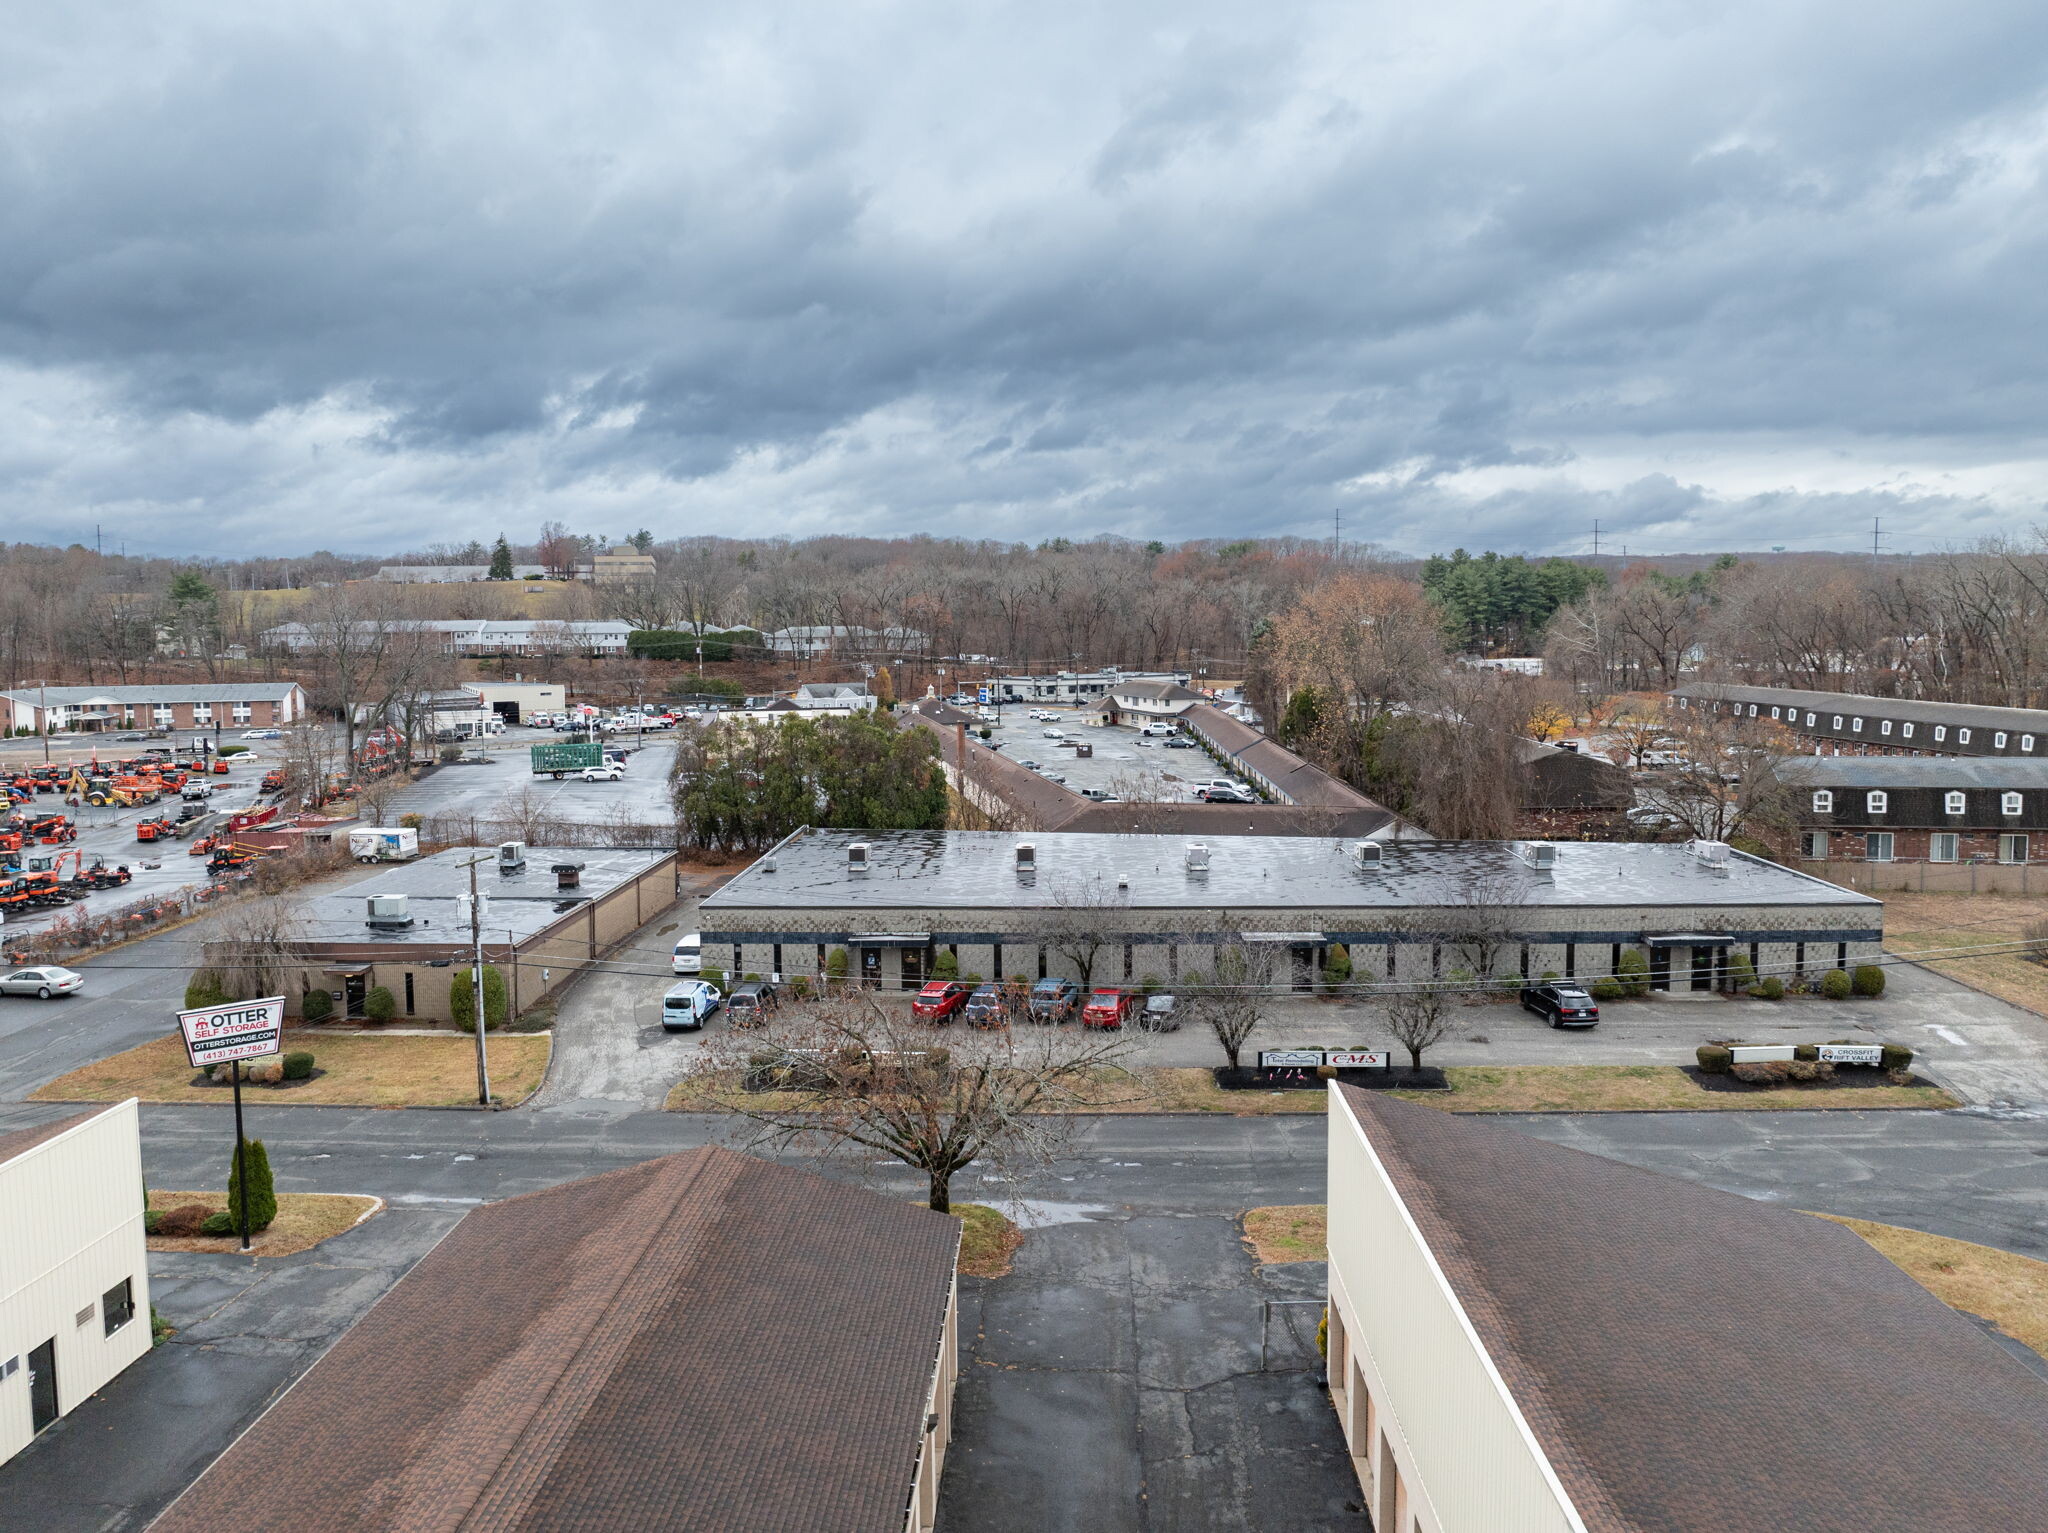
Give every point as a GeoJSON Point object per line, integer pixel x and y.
{"type": "Point", "coordinates": [374, 275]}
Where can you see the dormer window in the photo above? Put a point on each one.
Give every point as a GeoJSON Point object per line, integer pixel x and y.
{"type": "Point", "coordinates": [1877, 802]}
{"type": "Point", "coordinates": [1953, 803]}
{"type": "Point", "coordinates": [1998, 740]}
{"type": "Point", "coordinates": [1941, 731]}
{"type": "Point", "coordinates": [1823, 801]}
{"type": "Point", "coordinates": [2009, 803]}
{"type": "Point", "coordinates": [1906, 730]}
{"type": "Point", "coordinates": [1962, 737]}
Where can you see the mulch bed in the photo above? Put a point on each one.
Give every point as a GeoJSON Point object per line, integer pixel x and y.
{"type": "Point", "coordinates": [1844, 1076]}
{"type": "Point", "coordinates": [1399, 1078]}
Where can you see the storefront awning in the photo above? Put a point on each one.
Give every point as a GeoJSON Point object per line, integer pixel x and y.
{"type": "Point", "coordinates": [1690, 939]}
{"type": "Point", "coordinates": [346, 970]}
{"type": "Point", "coordinates": [1300, 939]}
{"type": "Point", "coordinates": [890, 939]}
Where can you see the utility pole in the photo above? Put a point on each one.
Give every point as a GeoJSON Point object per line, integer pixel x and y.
{"type": "Point", "coordinates": [476, 980]}
{"type": "Point", "coordinates": [1337, 533]}
{"type": "Point", "coordinates": [1596, 537]}
{"type": "Point", "coordinates": [1876, 532]}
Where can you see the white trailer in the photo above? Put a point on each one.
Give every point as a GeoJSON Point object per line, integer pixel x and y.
{"type": "Point", "coordinates": [396, 843]}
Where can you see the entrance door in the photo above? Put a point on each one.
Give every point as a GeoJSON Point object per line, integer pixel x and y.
{"type": "Point", "coordinates": [355, 990]}
{"type": "Point", "coordinates": [42, 1385]}
{"type": "Point", "coordinates": [1703, 967]}
{"type": "Point", "coordinates": [1660, 968]}
{"type": "Point", "coordinates": [871, 967]}
{"type": "Point", "coordinates": [913, 968]}
{"type": "Point", "coordinates": [1304, 976]}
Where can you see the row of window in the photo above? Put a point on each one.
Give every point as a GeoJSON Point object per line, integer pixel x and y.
{"type": "Point", "coordinates": [1943, 846]}
{"type": "Point", "coordinates": [1884, 727]}
{"type": "Point", "coordinates": [1877, 801]}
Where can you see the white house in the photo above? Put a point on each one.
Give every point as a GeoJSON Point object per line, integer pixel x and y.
{"type": "Point", "coordinates": [833, 697]}
{"type": "Point", "coordinates": [74, 1272]}
{"type": "Point", "coordinates": [1142, 702]}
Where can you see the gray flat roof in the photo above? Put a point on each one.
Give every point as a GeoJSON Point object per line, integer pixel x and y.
{"type": "Point", "coordinates": [1915, 772]}
{"type": "Point", "coordinates": [180, 692]}
{"type": "Point", "coordinates": [520, 904]}
{"type": "Point", "coordinates": [977, 869]}
{"type": "Point", "coordinates": [1981, 715]}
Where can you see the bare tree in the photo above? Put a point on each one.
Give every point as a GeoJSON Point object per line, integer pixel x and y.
{"type": "Point", "coordinates": [1078, 927]}
{"type": "Point", "coordinates": [1419, 1017]}
{"type": "Point", "coordinates": [1485, 918]}
{"type": "Point", "coordinates": [1726, 784]}
{"type": "Point", "coordinates": [1230, 1000]}
{"type": "Point", "coordinates": [257, 948]}
{"type": "Point", "coordinates": [853, 1078]}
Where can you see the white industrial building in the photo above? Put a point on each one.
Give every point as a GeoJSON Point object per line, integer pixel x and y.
{"type": "Point", "coordinates": [74, 1273]}
{"type": "Point", "coordinates": [478, 636]}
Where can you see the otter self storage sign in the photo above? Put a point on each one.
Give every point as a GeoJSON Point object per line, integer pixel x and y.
{"type": "Point", "coordinates": [239, 1030]}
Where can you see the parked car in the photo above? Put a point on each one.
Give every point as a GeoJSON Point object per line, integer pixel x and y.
{"type": "Point", "coordinates": [751, 1004]}
{"type": "Point", "coordinates": [1161, 1014]}
{"type": "Point", "coordinates": [1053, 734]}
{"type": "Point", "coordinates": [126, 738]}
{"type": "Point", "coordinates": [1228, 796]}
{"type": "Point", "coordinates": [263, 734]}
{"type": "Point", "coordinates": [686, 1006]}
{"type": "Point", "coordinates": [988, 1006]}
{"type": "Point", "coordinates": [1029, 765]}
{"type": "Point", "coordinates": [1561, 1005]}
{"type": "Point", "coordinates": [46, 983]}
{"type": "Point", "coordinates": [1156, 728]}
{"type": "Point", "coordinates": [1224, 783]}
{"type": "Point", "coordinates": [1108, 1008]}
{"type": "Point", "coordinates": [688, 957]}
{"type": "Point", "coordinates": [609, 772]}
{"type": "Point", "coordinates": [939, 1000]}
{"type": "Point", "coordinates": [1053, 1000]}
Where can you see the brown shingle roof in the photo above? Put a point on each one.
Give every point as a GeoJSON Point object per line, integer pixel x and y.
{"type": "Point", "coordinates": [703, 1341]}
{"type": "Point", "coordinates": [20, 1141]}
{"type": "Point", "coordinates": [1302, 782]}
{"type": "Point", "coordinates": [1695, 1362]}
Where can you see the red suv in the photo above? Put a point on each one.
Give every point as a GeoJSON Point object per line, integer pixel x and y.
{"type": "Point", "coordinates": [1107, 1008]}
{"type": "Point", "coordinates": [939, 1000]}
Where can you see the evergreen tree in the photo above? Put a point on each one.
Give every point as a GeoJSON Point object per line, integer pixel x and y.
{"type": "Point", "coordinates": [501, 559]}
{"type": "Point", "coordinates": [462, 999]}
{"type": "Point", "coordinates": [262, 1192]}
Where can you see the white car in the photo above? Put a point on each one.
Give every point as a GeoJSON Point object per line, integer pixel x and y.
{"type": "Point", "coordinates": [609, 772]}
{"type": "Point", "coordinates": [263, 734]}
{"type": "Point", "coordinates": [1222, 784]}
{"type": "Point", "coordinates": [46, 983]}
{"type": "Point", "coordinates": [689, 955]}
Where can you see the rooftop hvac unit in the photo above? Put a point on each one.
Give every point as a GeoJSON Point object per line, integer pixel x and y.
{"type": "Point", "coordinates": [1713, 853]}
{"type": "Point", "coordinates": [857, 857]}
{"type": "Point", "coordinates": [389, 912]}
{"type": "Point", "coordinates": [1198, 856]}
{"type": "Point", "coordinates": [511, 856]}
{"type": "Point", "coordinates": [1541, 855]}
{"type": "Point", "coordinates": [1027, 857]}
{"type": "Point", "coordinates": [1370, 854]}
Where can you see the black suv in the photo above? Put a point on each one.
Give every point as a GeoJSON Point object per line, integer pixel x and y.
{"type": "Point", "coordinates": [988, 1006]}
{"type": "Point", "coordinates": [1562, 1005]}
{"type": "Point", "coordinates": [751, 1004]}
{"type": "Point", "coordinates": [1054, 1000]}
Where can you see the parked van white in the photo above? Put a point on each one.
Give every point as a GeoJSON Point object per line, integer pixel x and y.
{"type": "Point", "coordinates": [687, 1005]}
{"type": "Point", "coordinates": [689, 955]}
{"type": "Point", "coordinates": [1157, 728]}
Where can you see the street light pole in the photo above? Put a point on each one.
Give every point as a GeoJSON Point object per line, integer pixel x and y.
{"type": "Point", "coordinates": [476, 980]}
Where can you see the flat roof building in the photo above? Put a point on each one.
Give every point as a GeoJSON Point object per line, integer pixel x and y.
{"type": "Point", "coordinates": [1006, 903]}
{"type": "Point", "coordinates": [74, 1270]}
{"type": "Point", "coordinates": [700, 1341]}
{"type": "Point", "coordinates": [1524, 1338]}
{"type": "Point", "coordinates": [176, 705]}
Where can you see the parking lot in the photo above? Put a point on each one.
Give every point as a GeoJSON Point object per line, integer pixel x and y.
{"type": "Point", "coordinates": [498, 770]}
{"type": "Point", "coordinates": [1122, 761]}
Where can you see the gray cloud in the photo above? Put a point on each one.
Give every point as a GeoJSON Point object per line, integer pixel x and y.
{"type": "Point", "coordinates": [371, 276]}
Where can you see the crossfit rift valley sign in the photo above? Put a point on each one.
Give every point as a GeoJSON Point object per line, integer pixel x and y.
{"type": "Point", "coordinates": [239, 1030]}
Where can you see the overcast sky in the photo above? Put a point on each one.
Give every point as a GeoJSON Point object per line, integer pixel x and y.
{"type": "Point", "coordinates": [372, 275]}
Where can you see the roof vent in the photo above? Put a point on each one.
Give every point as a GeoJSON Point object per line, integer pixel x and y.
{"type": "Point", "coordinates": [1027, 857]}
{"type": "Point", "coordinates": [1123, 881]}
{"type": "Point", "coordinates": [389, 912]}
{"type": "Point", "coordinates": [1198, 856]}
{"type": "Point", "coordinates": [857, 857]}
{"type": "Point", "coordinates": [1541, 855]}
{"type": "Point", "coordinates": [1713, 854]}
{"type": "Point", "coordinates": [1370, 853]}
{"type": "Point", "coordinates": [767, 864]}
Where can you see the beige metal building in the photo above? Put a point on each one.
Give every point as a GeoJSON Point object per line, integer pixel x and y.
{"type": "Point", "coordinates": [74, 1273]}
{"type": "Point", "coordinates": [1524, 1338]}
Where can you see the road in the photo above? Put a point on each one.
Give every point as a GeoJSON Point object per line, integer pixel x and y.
{"type": "Point", "coordinates": [484, 790]}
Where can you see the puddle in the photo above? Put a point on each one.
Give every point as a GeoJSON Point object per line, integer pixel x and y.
{"type": "Point", "coordinates": [1037, 1214]}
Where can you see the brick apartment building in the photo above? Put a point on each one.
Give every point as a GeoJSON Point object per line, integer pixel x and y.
{"type": "Point", "coordinates": [1935, 809]}
{"type": "Point", "coordinates": [180, 705]}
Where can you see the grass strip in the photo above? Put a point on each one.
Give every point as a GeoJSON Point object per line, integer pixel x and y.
{"type": "Point", "coordinates": [304, 1219]}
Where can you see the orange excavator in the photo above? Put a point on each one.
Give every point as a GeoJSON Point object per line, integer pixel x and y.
{"type": "Point", "coordinates": [155, 828]}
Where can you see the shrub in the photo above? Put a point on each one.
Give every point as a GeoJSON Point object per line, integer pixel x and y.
{"type": "Point", "coordinates": [1897, 1057]}
{"type": "Point", "coordinates": [262, 1194]}
{"type": "Point", "coordinates": [378, 1005]}
{"type": "Point", "coordinates": [316, 1006]}
{"type": "Point", "coordinates": [1741, 975]}
{"type": "Point", "coordinates": [946, 965]}
{"type": "Point", "coordinates": [713, 977]}
{"type": "Point", "coordinates": [217, 1224]}
{"type": "Point", "coordinates": [1151, 984]}
{"type": "Point", "coordinates": [1550, 974]}
{"type": "Point", "coordinates": [1326, 1072]}
{"type": "Point", "coordinates": [1714, 1060]}
{"type": "Point", "coordinates": [1836, 984]}
{"type": "Point", "coordinates": [835, 963]}
{"type": "Point", "coordinates": [451, 753]}
{"type": "Point", "coordinates": [1606, 990]}
{"type": "Point", "coordinates": [1633, 972]}
{"type": "Point", "coordinates": [298, 1065]}
{"type": "Point", "coordinates": [1806, 1051]}
{"type": "Point", "coordinates": [1809, 1070]}
{"type": "Point", "coordinates": [1760, 1072]}
{"type": "Point", "coordinates": [232, 750]}
{"type": "Point", "coordinates": [800, 987]}
{"type": "Point", "coordinates": [1867, 980]}
{"type": "Point", "coordinates": [749, 978]}
{"type": "Point", "coordinates": [1337, 966]}
{"type": "Point", "coordinates": [152, 1220]}
{"type": "Point", "coordinates": [411, 820]}
{"type": "Point", "coordinates": [204, 988]}
{"type": "Point", "coordinates": [462, 999]}
{"type": "Point", "coordinates": [184, 1220]}
{"type": "Point", "coordinates": [1769, 988]}
{"type": "Point", "coordinates": [970, 978]}
{"type": "Point", "coordinates": [987, 733]}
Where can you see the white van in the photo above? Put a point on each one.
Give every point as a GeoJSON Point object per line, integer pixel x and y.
{"type": "Point", "coordinates": [1157, 728]}
{"type": "Point", "coordinates": [689, 955]}
{"type": "Point", "coordinates": [686, 1005]}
